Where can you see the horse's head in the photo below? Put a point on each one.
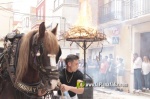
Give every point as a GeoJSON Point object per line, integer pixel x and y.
{"type": "Point", "coordinates": [39, 52]}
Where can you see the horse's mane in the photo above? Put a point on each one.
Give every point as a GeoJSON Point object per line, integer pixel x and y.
{"type": "Point", "coordinates": [50, 45]}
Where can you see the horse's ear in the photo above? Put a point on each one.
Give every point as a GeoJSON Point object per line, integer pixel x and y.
{"type": "Point", "coordinates": [54, 31]}
{"type": "Point", "coordinates": [42, 30]}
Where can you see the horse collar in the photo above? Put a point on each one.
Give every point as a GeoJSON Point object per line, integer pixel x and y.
{"type": "Point", "coordinates": [26, 88]}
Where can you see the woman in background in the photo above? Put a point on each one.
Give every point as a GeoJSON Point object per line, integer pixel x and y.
{"type": "Point", "coordinates": [120, 73]}
{"type": "Point", "coordinates": [146, 72]}
{"type": "Point", "coordinates": [137, 67]}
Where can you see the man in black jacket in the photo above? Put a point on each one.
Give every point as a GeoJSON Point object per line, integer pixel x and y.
{"type": "Point", "coordinates": [69, 77]}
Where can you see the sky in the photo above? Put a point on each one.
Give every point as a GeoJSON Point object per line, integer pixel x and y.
{"type": "Point", "coordinates": [23, 6]}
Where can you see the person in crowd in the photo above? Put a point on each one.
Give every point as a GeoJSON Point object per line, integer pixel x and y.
{"type": "Point", "coordinates": [69, 77]}
{"type": "Point", "coordinates": [103, 70]}
{"type": "Point", "coordinates": [97, 62]}
{"type": "Point", "coordinates": [61, 64]}
{"type": "Point", "coordinates": [146, 72]}
{"type": "Point", "coordinates": [137, 67]}
{"type": "Point", "coordinates": [81, 65]}
{"type": "Point", "coordinates": [111, 69]}
{"type": "Point", "coordinates": [120, 73]}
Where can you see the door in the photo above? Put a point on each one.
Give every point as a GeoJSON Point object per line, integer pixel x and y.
{"type": "Point", "coordinates": [145, 44]}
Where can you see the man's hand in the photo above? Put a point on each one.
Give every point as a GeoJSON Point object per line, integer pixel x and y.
{"type": "Point", "coordinates": [64, 87]}
{"type": "Point", "coordinates": [41, 92]}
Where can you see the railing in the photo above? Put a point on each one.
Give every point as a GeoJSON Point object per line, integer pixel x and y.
{"type": "Point", "coordinates": [111, 11]}
{"type": "Point", "coordinates": [58, 3]}
{"type": "Point", "coordinates": [135, 8]}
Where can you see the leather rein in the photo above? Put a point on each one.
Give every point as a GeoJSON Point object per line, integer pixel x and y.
{"type": "Point", "coordinates": [10, 55]}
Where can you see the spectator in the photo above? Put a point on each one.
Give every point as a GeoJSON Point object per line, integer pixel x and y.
{"type": "Point", "coordinates": [103, 70]}
{"type": "Point", "coordinates": [120, 73]}
{"type": "Point", "coordinates": [111, 69]}
{"type": "Point", "coordinates": [61, 64]}
{"type": "Point", "coordinates": [146, 72]}
{"type": "Point", "coordinates": [137, 65]}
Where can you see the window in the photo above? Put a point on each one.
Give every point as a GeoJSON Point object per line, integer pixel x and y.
{"type": "Point", "coordinates": [72, 1]}
{"type": "Point", "coordinates": [137, 7]}
{"type": "Point", "coordinates": [27, 21]}
{"type": "Point", "coordinates": [57, 3]}
{"type": "Point", "coordinates": [24, 24]}
{"type": "Point", "coordinates": [39, 13]}
{"type": "Point", "coordinates": [42, 13]}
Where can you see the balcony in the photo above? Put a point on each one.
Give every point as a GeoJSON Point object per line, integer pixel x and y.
{"type": "Point", "coordinates": [35, 21]}
{"type": "Point", "coordinates": [60, 3]}
{"type": "Point", "coordinates": [111, 11]}
{"type": "Point", "coordinates": [135, 8]}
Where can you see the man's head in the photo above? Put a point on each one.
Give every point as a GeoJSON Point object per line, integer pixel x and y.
{"type": "Point", "coordinates": [72, 62]}
{"type": "Point", "coordinates": [110, 56]}
{"type": "Point", "coordinates": [120, 60]}
{"type": "Point", "coordinates": [135, 55]}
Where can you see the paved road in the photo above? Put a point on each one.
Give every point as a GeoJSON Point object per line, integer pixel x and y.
{"type": "Point", "coordinates": [102, 93]}
{"type": "Point", "coordinates": [110, 94]}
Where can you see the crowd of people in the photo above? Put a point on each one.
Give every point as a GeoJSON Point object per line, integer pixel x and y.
{"type": "Point", "coordinates": [102, 69]}
{"type": "Point", "coordinates": [107, 69]}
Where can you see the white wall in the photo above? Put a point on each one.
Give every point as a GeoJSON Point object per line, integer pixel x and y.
{"type": "Point", "coordinates": [136, 31]}
{"type": "Point", "coordinates": [94, 12]}
{"type": "Point", "coordinates": [6, 17]}
{"type": "Point", "coordinates": [66, 52]}
{"type": "Point", "coordinates": [71, 14]}
{"type": "Point", "coordinates": [49, 7]}
{"type": "Point", "coordinates": [6, 22]}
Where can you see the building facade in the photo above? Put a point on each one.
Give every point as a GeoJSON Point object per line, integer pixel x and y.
{"type": "Point", "coordinates": [6, 16]}
{"type": "Point", "coordinates": [65, 13]}
{"type": "Point", "coordinates": [126, 24]}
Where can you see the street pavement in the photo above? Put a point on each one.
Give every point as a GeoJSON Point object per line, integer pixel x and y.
{"type": "Point", "coordinates": [102, 93]}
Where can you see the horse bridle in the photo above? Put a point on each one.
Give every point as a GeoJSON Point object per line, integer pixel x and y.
{"type": "Point", "coordinates": [37, 50]}
{"type": "Point", "coordinates": [46, 73]}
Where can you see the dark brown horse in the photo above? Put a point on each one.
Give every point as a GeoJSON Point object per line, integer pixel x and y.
{"type": "Point", "coordinates": [36, 73]}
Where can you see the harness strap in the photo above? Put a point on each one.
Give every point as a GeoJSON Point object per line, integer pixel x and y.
{"type": "Point", "coordinates": [26, 88]}
{"type": "Point", "coordinates": [51, 67]}
{"type": "Point", "coordinates": [59, 85]}
{"type": "Point", "coordinates": [12, 50]}
{"type": "Point", "coordinates": [11, 57]}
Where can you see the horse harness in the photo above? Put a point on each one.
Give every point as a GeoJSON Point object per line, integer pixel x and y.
{"type": "Point", "coordinates": [10, 57]}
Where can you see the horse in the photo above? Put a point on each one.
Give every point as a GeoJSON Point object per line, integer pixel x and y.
{"type": "Point", "coordinates": [35, 74]}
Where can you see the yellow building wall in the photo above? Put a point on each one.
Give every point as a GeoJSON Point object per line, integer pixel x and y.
{"type": "Point", "coordinates": [123, 50]}
{"type": "Point", "coordinates": [129, 44]}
